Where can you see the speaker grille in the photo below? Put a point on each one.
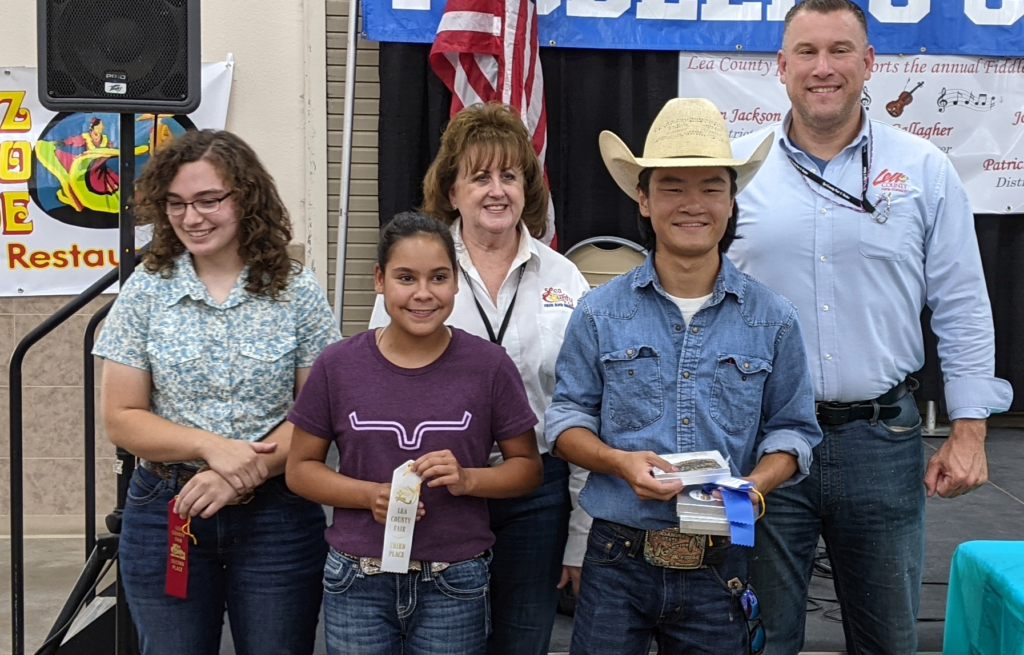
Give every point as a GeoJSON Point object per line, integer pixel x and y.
{"type": "Point", "coordinates": [121, 50]}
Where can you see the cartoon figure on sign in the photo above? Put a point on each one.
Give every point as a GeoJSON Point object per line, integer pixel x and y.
{"type": "Point", "coordinates": [75, 176]}
{"type": "Point", "coordinates": [80, 163]}
{"type": "Point", "coordinates": [94, 138]}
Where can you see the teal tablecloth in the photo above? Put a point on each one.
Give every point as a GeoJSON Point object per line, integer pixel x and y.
{"type": "Point", "coordinates": [985, 608]}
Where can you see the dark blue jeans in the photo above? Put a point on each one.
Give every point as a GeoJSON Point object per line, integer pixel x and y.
{"type": "Point", "coordinates": [865, 495]}
{"type": "Point", "coordinates": [531, 532]}
{"type": "Point", "coordinates": [416, 613]}
{"type": "Point", "coordinates": [625, 603]}
{"type": "Point", "coordinates": [262, 562]}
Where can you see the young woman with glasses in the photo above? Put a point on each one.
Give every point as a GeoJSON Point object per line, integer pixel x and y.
{"type": "Point", "coordinates": [205, 349]}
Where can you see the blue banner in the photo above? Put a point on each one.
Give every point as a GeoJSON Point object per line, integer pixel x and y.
{"type": "Point", "coordinates": [911, 27]}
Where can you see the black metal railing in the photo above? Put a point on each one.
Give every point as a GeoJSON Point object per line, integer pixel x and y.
{"type": "Point", "coordinates": [16, 441]}
{"type": "Point", "coordinates": [105, 549]}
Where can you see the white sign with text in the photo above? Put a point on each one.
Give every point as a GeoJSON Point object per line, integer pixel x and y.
{"type": "Point", "coordinates": [971, 108]}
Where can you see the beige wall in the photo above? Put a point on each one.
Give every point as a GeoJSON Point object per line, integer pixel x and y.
{"type": "Point", "coordinates": [279, 105]}
{"type": "Point", "coordinates": [363, 218]}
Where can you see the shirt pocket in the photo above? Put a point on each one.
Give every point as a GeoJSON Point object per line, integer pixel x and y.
{"type": "Point", "coordinates": [177, 367]}
{"type": "Point", "coordinates": [736, 395]}
{"type": "Point", "coordinates": [633, 389]}
{"type": "Point", "coordinates": [887, 240]}
{"type": "Point", "coordinates": [268, 361]}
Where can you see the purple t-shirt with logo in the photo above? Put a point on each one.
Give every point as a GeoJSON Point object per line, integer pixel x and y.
{"type": "Point", "coordinates": [381, 415]}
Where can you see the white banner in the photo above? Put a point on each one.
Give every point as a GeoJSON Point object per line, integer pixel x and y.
{"type": "Point", "coordinates": [972, 108]}
{"type": "Point", "coordinates": [59, 174]}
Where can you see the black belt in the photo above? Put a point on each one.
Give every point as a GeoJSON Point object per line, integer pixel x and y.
{"type": "Point", "coordinates": [882, 408]}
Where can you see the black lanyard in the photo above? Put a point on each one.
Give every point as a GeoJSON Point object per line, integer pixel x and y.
{"type": "Point", "coordinates": [508, 312]}
{"type": "Point", "coordinates": [860, 203]}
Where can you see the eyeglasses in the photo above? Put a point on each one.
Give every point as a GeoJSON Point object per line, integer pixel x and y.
{"type": "Point", "coordinates": [177, 209]}
{"type": "Point", "coordinates": [752, 612]}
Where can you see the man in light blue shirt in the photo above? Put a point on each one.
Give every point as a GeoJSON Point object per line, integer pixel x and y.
{"type": "Point", "coordinates": [682, 354]}
{"type": "Point", "coordinates": [861, 225]}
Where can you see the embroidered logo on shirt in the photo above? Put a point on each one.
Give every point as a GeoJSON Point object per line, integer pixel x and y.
{"type": "Point", "coordinates": [554, 297]}
{"type": "Point", "coordinates": [891, 181]}
{"type": "Point", "coordinates": [404, 442]}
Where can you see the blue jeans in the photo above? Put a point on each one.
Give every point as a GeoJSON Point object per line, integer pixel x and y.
{"type": "Point", "coordinates": [416, 613]}
{"type": "Point", "coordinates": [625, 602]}
{"type": "Point", "coordinates": [865, 495]}
{"type": "Point", "coordinates": [261, 561]}
{"type": "Point", "coordinates": [530, 533]}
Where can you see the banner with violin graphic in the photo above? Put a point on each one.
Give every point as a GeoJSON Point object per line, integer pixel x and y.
{"type": "Point", "coordinates": [59, 181]}
{"type": "Point", "coordinates": [971, 108]}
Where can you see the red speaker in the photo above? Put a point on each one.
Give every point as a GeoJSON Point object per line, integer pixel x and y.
{"type": "Point", "coordinates": [122, 56]}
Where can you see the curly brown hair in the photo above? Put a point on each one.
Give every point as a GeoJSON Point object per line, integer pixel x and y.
{"type": "Point", "coordinates": [264, 229]}
{"type": "Point", "coordinates": [488, 133]}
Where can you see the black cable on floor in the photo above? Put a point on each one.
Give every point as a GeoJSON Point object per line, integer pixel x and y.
{"type": "Point", "coordinates": [823, 569]}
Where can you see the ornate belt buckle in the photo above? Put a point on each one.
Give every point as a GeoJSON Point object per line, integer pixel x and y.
{"type": "Point", "coordinates": [370, 565]}
{"type": "Point", "coordinates": [672, 549]}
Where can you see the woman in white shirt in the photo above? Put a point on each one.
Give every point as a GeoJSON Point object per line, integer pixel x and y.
{"type": "Point", "coordinates": [487, 183]}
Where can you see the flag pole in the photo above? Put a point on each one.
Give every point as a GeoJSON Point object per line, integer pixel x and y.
{"type": "Point", "coordinates": [346, 159]}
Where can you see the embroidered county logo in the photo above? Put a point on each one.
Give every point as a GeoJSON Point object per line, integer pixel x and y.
{"type": "Point", "coordinates": [404, 442]}
{"type": "Point", "coordinates": [891, 181]}
{"type": "Point", "coordinates": [553, 297]}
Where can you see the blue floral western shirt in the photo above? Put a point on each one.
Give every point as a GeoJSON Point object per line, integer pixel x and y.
{"type": "Point", "coordinates": [228, 368]}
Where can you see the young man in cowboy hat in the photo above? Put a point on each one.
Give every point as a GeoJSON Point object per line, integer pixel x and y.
{"type": "Point", "coordinates": [861, 224]}
{"type": "Point", "coordinates": [682, 354]}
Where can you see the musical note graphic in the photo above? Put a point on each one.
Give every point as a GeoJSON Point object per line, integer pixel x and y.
{"type": "Point", "coordinates": [967, 99]}
{"type": "Point", "coordinates": [865, 98]}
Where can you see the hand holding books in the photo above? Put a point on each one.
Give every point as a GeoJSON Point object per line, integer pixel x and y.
{"type": "Point", "coordinates": [720, 505]}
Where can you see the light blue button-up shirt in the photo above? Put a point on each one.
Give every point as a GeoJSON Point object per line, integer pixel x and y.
{"type": "Point", "coordinates": [860, 283]}
{"type": "Point", "coordinates": [228, 368]}
{"type": "Point", "coordinates": [633, 373]}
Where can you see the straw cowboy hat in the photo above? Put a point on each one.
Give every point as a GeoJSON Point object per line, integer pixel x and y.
{"type": "Point", "coordinates": [688, 133]}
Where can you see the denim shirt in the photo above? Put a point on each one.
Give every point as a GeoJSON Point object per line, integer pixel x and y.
{"type": "Point", "coordinates": [736, 380]}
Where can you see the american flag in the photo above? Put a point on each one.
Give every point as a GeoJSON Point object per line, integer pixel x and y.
{"type": "Point", "coordinates": [487, 50]}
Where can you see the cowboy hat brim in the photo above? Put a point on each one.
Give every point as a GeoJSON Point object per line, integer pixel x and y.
{"type": "Point", "coordinates": [625, 168]}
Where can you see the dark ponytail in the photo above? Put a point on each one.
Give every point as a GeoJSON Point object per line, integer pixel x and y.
{"type": "Point", "coordinates": [409, 224]}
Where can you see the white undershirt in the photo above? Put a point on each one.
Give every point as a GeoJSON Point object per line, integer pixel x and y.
{"type": "Point", "coordinates": [689, 306]}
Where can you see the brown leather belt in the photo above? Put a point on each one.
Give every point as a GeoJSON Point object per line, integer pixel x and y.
{"type": "Point", "coordinates": [165, 471]}
{"type": "Point", "coordinates": [669, 548]}
{"type": "Point", "coordinates": [185, 473]}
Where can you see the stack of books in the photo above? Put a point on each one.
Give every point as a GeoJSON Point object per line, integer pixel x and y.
{"type": "Point", "coordinates": [699, 512]}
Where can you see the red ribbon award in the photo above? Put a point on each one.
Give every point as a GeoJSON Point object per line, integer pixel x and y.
{"type": "Point", "coordinates": [178, 536]}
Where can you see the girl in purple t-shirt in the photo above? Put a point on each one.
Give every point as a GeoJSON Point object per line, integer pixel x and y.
{"type": "Point", "coordinates": [414, 390]}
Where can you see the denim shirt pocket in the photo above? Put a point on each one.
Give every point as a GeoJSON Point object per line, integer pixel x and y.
{"type": "Point", "coordinates": [736, 395]}
{"type": "Point", "coordinates": [633, 389]}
